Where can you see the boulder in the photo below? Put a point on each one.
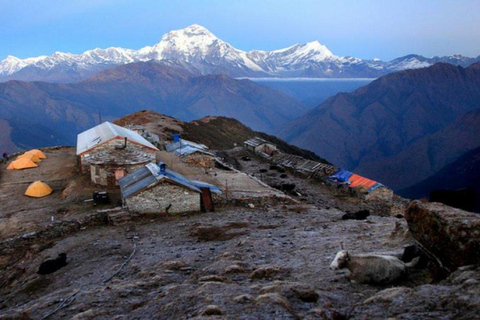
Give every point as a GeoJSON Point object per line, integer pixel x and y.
{"type": "Point", "coordinates": [451, 235]}
{"type": "Point", "coordinates": [212, 310]}
{"type": "Point", "coordinates": [269, 272]}
{"type": "Point", "coordinates": [359, 215]}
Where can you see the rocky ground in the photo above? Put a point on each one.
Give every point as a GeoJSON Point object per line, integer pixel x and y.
{"type": "Point", "coordinates": [239, 262]}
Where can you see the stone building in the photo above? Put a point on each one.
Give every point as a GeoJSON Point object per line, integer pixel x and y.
{"type": "Point", "coordinates": [192, 153]}
{"type": "Point", "coordinates": [259, 145]}
{"type": "Point", "coordinates": [106, 168]}
{"type": "Point", "coordinates": [153, 189]}
{"type": "Point", "coordinates": [372, 190]}
{"type": "Point", "coordinates": [381, 193]}
{"type": "Point", "coordinates": [108, 152]}
{"type": "Point", "coordinates": [141, 130]}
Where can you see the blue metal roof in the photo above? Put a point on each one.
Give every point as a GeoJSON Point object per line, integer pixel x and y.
{"type": "Point", "coordinates": [148, 176]}
{"type": "Point", "coordinates": [203, 184]}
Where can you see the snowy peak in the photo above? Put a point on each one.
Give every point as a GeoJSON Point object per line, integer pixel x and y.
{"type": "Point", "coordinates": [193, 34]}
{"type": "Point", "coordinates": [199, 51]}
{"type": "Point", "coordinates": [194, 30]}
{"type": "Point", "coordinates": [312, 50]}
{"type": "Point", "coordinates": [194, 40]}
{"type": "Point", "coordinates": [317, 49]}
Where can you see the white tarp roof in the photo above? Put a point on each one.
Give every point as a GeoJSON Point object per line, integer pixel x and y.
{"type": "Point", "coordinates": [255, 142]}
{"type": "Point", "coordinates": [107, 131]}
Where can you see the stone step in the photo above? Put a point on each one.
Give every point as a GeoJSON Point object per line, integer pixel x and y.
{"type": "Point", "coordinates": [118, 217]}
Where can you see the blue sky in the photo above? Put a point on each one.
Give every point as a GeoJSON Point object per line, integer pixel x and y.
{"type": "Point", "coordinates": [365, 29]}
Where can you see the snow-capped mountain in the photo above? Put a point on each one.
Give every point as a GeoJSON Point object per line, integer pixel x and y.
{"type": "Point", "coordinates": [196, 49]}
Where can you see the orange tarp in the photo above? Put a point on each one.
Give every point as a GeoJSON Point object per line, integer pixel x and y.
{"type": "Point", "coordinates": [38, 153]}
{"type": "Point", "coordinates": [38, 189]}
{"type": "Point", "coordinates": [359, 181]}
{"type": "Point", "coordinates": [30, 156]}
{"type": "Point", "coordinates": [22, 163]}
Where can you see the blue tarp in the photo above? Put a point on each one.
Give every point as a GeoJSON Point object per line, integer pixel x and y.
{"type": "Point", "coordinates": [341, 175]}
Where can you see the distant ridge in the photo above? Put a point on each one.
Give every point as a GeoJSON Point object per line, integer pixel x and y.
{"type": "Point", "coordinates": [42, 114]}
{"type": "Point", "coordinates": [462, 173]}
{"type": "Point", "coordinates": [199, 51]}
{"type": "Point", "coordinates": [399, 129]}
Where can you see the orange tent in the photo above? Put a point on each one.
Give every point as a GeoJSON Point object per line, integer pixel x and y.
{"type": "Point", "coordinates": [30, 156]}
{"type": "Point", "coordinates": [38, 189]}
{"type": "Point", "coordinates": [22, 163]}
{"type": "Point", "coordinates": [38, 153]}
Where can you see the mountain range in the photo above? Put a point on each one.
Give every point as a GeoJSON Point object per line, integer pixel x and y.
{"type": "Point", "coordinates": [197, 50]}
{"type": "Point", "coordinates": [401, 128]}
{"type": "Point", "coordinates": [35, 114]}
{"type": "Point", "coordinates": [461, 173]}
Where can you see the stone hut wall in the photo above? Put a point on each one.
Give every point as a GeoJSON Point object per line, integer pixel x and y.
{"type": "Point", "coordinates": [104, 175]}
{"type": "Point", "coordinates": [381, 193]}
{"type": "Point", "coordinates": [199, 159]}
{"type": "Point", "coordinates": [110, 145]}
{"type": "Point", "coordinates": [165, 195]}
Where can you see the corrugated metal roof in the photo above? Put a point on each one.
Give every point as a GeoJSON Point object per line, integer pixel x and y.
{"type": "Point", "coordinates": [186, 147]}
{"type": "Point", "coordinates": [148, 176]}
{"type": "Point", "coordinates": [185, 151]}
{"type": "Point", "coordinates": [255, 142]}
{"type": "Point", "coordinates": [184, 144]}
{"type": "Point", "coordinates": [136, 181]}
{"type": "Point", "coordinates": [107, 131]}
{"type": "Point", "coordinates": [300, 163]}
{"type": "Point", "coordinates": [203, 184]}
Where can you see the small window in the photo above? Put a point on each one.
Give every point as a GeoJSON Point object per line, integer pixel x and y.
{"type": "Point", "coordinates": [119, 173]}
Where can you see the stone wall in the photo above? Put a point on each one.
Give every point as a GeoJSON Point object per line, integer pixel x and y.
{"type": "Point", "coordinates": [266, 148]}
{"type": "Point", "coordinates": [52, 231]}
{"type": "Point", "coordinates": [165, 195]}
{"type": "Point", "coordinates": [380, 194]}
{"type": "Point", "coordinates": [110, 145]}
{"type": "Point", "coordinates": [104, 175]}
{"type": "Point", "coordinates": [199, 159]}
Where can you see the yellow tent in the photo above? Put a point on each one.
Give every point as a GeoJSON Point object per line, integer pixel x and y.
{"type": "Point", "coordinates": [22, 163]}
{"type": "Point", "coordinates": [30, 156]}
{"type": "Point", "coordinates": [38, 189]}
{"type": "Point", "coordinates": [38, 153]}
